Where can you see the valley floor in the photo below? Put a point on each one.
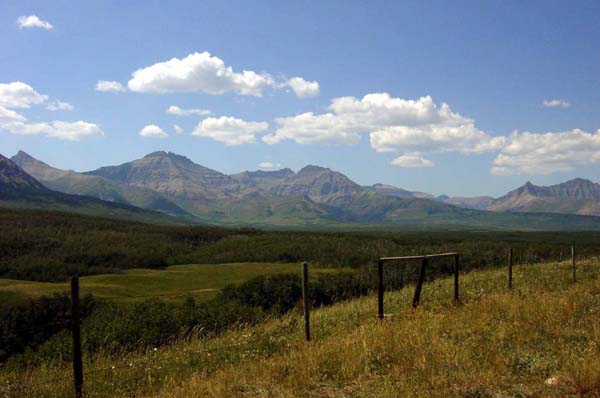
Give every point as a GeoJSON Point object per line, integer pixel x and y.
{"type": "Point", "coordinates": [542, 339]}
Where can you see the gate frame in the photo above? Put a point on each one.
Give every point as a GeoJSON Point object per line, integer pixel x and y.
{"type": "Point", "coordinates": [424, 260]}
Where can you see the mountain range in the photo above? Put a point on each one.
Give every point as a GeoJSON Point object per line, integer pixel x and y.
{"type": "Point", "coordinates": [173, 185]}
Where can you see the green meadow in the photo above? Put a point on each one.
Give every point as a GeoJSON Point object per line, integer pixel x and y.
{"type": "Point", "coordinates": [203, 281]}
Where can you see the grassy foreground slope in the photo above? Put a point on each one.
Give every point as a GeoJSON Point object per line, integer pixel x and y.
{"type": "Point", "coordinates": [540, 340]}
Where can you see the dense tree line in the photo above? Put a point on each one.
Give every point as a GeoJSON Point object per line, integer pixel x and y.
{"type": "Point", "coordinates": [51, 246]}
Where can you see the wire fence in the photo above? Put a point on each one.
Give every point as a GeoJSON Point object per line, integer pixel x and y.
{"type": "Point", "coordinates": [15, 388]}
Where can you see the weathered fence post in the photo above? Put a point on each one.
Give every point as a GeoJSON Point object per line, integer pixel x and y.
{"type": "Point", "coordinates": [510, 267]}
{"type": "Point", "coordinates": [305, 300]}
{"type": "Point", "coordinates": [417, 296]}
{"type": "Point", "coordinates": [456, 262]}
{"type": "Point", "coordinates": [76, 333]}
{"type": "Point", "coordinates": [573, 263]}
{"type": "Point", "coordinates": [380, 289]}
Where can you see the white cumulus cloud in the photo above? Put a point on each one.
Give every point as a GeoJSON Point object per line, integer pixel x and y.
{"type": "Point", "coordinates": [59, 106]}
{"type": "Point", "coordinates": [229, 130]}
{"type": "Point", "coordinates": [303, 88]}
{"type": "Point", "coordinates": [19, 95]}
{"type": "Point", "coordinates": [153, 131]}
{"type": "Point", "coordinates": [412, 160]}
{"type": "Point", "coordinates": [33, 21]}
{"type": "Point", "coordinates": [556, 103]}
{"type": "Point", "coordinates": [547, 153]}
{"type": "Point", "coordinates": [109, 86]}
{"type": "Point", "coordinates": [177, 111]}
{"type": "Point", "coordinates": [393, 124]}
{"type": "Point", "coordinates": [178, 129]}
{"type": "Point", "coordinates": [206, 73]}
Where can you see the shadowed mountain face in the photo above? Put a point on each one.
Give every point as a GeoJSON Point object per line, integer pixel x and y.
{"type": "Point", "coordinates": [20, 190]}
{"type": "Point", "coordinates": [14, 182]}
{"type": "Point", "coordinates": [577, 196]}
{"type": "Point", "coordinates": [71, 182]}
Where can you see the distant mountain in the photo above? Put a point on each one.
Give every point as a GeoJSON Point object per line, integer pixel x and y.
{"type": "Point", "coordinates": [71, 182]}
{"type": "Point", "coordinates": [474, 202]}
{"type": "Point", "coordinates": [20, 190]}
{"type": "Point", "coordinates": [314, 197]}
{"type": "Point", "coordinates": [577, 196]}
{"type": "Point", "coordinates": [391, 190]}
{"type": "Point", "coordinates": [175, 176]}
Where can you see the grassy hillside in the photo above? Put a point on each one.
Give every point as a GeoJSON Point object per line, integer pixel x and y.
{"type": "Point", "coordinates": [202, 281]}
{"type": "Point", "coordinates": [540, 340]}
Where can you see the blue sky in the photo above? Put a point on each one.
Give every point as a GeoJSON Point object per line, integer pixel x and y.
{"type": "Point", "coordinates": [492, 64]}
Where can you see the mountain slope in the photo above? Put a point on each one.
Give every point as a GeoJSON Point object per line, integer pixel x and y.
{"type": "Point", "coordinates": [20, 190]}
{"type": "Point", "coordinates": [175, 176]}
{"type": "Point", "coordinates": [577, 196]}
{"type": "Point", "coordinates": [71, 182]}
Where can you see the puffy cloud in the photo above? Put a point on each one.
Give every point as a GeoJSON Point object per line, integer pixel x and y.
{"type": "Point", "coordinates": [556, 103]}
{"type": "Point", "coordinates": [412, 160]}
{"type": "Point", "coordinates": [177, 111]}
{"type": "Point", "coordinates": [547, 153]}
{"type": "Point", "coordinates": [206, 73]}
{"type": "Point", "coordinates": [69, 131]}
{"type": "Point", "coordinates": [303, 88]}
{"type": "Point", "coordinates": [19, 95]}
{"type": "Point", "coordinates": [268, 165]}
{"type": "Point", "coordinates": [178, 129]}
{"type": "Point", "coordinates": [197, 72]}
{"type": "Point", "coordinates": [59, 106]}
{"type": "Point", "coordinates": [33, 21]}
{"type": "Point", "coordinates": [109, 86]}
{"type": "Point", "coordinates": [229, 130]}
{"type": "Point", "coordinates": [153, 131]}
{"type": "Point", "coordinates": [394, 124]}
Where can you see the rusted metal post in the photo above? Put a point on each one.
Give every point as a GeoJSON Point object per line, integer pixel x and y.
{"type": "Point", "coordinates": [456, 265]}
{"type": "Point", "coordinates": [417, 296]}
{"type": "Point", "coordinates": [76, 333]}
{"type": "Point", "coordinates": [573, 263]}
{"type": "Point", "coordinates": [305, 300]}
{"type": "Point", "coordinates": [380, 288]}
{"type": "Point", "coordinates": [510, 267]}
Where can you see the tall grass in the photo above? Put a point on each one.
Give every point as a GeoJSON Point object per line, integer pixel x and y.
{"type": "Point", "coordinates": [542, 339]}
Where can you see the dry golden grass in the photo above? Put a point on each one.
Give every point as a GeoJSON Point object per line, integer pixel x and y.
{"type": "Point", "coordinates": [540, 340]}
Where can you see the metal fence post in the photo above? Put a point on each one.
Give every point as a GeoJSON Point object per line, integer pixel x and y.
{"type": "Point", "coordinates": [76, 333]}
{"type": "Point", "coordinates": [305, 300]}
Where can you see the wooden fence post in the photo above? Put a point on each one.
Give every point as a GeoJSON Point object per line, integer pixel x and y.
{"type": "Point", "coordinates": [76, 333]}
{"type": "Point", "coordinates": [573, 263]}
{"type": "Point", "coordinates": [510, 267]}
{"type": "Point", "coordinates": [305, 300]}
{"type": "Point", "coordinates": [417, 296]}
{"type": "Point", "coordinates": [380, 289]}
{"type": "Point", "coordinates": [456, 265]}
